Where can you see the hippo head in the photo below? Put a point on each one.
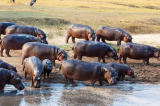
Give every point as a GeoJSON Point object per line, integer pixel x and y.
{"type": "Point", "coordinates": [110, 76]}
{"type": "Point", "coordinates": [37, 81]}
{"type": "Point", "coordinates": [16, 80]}
{"type": "Point", "coordinates": [127, 38]}
{"type": "Point", "coordinates": [12, 68]}
{"type": "Point", "coordinates": [41, 35]}
{"type": "Point", "coordinates": [112, 53]}
{"type": "Point", "coordinates": [91, 36]}
{"type": "Point", "coordinates": [48, 65]}
{"type": "Point", "coordinates": [156, 54]}
{"type": "Point", "coordinates": [130, 73]}
{"type": "Point", "coordinates": [37, 40]}
{"type": "Point", "coordinates": [62, 55]}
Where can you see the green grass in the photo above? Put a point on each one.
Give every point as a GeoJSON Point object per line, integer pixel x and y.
{"type": "Point", "coordinates": [135, 17]}
{"type": "Point", "coordinates": [65, 47]}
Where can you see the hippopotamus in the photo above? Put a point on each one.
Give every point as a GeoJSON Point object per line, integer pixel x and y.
{"type": "Point", "coordinates": [7, 66]}
{"type": "Point", "coordinates": [15, 42]}
{"type": "Point", "coordinates": [113, 34]}
{"type": "Point", "coordinates": [43, 51]}
{"type": "Point", "coordinates": [47, 64]}
{"type": "Point", "coordinates": [3, 26]}
{"type": "Point", "coordinates": [122, 70]}
{"type": "Point", "coordinates": [81, 32]}
{"type": "Point", "coordinates": [94, 49]}
{"type": "Point", "coordinates": [34, 67]}
{"type": "Point", "coordinates": [138, 51]}
{"type": "Point", "coordinates": [84, 71]}
{"type": "Point", "coordinates": [21, 29]}
{"type": "Point", "coordinates": [10, 77]}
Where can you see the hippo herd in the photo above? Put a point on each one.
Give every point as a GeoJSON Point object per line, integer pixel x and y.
{"type": "Point", "coordinates": [38, 57]}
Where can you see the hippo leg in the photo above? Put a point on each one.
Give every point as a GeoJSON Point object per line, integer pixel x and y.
{"type": "Point", "coordinates": [7, 52]}
{"type": "Point", "coordinates": [31, 85]}
{"type": "Point", "coordinates": [25, 75]}
{"type": "Point", "coordinates": [99, 59]}
{"type": "Point", "coordinates": [123, 76]}
{"type": "Point", "coordinates": [118, 43]}
{"type": "Point", "coordinates": [98, 38]}
{"type": "Point", "coordinates": [104, 60]}
{"type": "Point", "coordinates": [101, 82]}
{"type": "Point", "coordinates": [75, 56]}
{"type": "Point", "coordinates": [2, 51]}
{"type": "Point", "coordinates": [93, 82]}
{"type": "Point", "coordinates": [120, 57]}
{"type": "Point", "coordinates": [65, 79]}
{"type": "Point", "coordinates": [67, 38]}
{"type": "Point", "coordinates": [79, 57]}
{"type": "Point", "coordinates": [22, 58]}
{"type": "Point", "coordinates": [124, 59]}
{"type": "Point", "coordinates": [147, 61]}
{"type": "Point", "coordinates": [48, 75]}
{"type": "Point", "coordinates": [73, 39]}
{"type": "Point", "coordinates": [44, 75]}
{"type": "Point", "coordinates": [103, 40]}
{"type": "Point", "coordinates": [1, 88]}
{"type": "Point", "coordinates": [72, 82]}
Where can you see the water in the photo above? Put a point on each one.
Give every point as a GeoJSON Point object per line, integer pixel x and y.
{"type": "Point", "coordinates": [57, 94]}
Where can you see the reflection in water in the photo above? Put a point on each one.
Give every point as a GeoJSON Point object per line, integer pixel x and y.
{"type": "Point", "coordinates": [122, 94]}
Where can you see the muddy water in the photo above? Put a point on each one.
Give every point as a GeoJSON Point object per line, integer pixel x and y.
{"type": "Point", "coordinates": [56, 94]}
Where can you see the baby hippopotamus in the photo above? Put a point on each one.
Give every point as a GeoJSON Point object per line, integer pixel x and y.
{"type": "Point", "coordinates": [122, 70]}
{"type": "Point", "coordinates": [15, 42]}
{"type": "Point", "coordinates": [47, 64]}
{"type": "Point", "coordinates": [34, 67]}
{"type": "Point", "coordinates": [7, 66]}
{"type": "Point", "coordinates": [83, 71]}
{"type": "Point", "coordinates": [10, 77]}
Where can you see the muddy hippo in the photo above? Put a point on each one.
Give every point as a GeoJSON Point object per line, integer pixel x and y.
{"type": "Point", "coordinates": [47, 64]}
{"type": "Point", "coordinates": [34, 67]}
{"type": "Point", "coordinates": [21, 29]}
{"type": "Point", "coordinates": [138, 51]}
{"type": "Point", "coordinates": [81, 32]}
{"type": "Point", "coordinates": [94, 49]}
{"type": "Point", "coordinates": [10, 77]}
{"type": "Point", "coordinates": [43, 51]}
{"type": "Point", "coordinates": [113, 34]}
{"type": "Point", "coordinates": [7, 66]}
{"type": "Point", "coordinates": [15, 42]}
{"type": "Point", "coordinates": [122, 70]}
{"type": "Point", "coordinates": [84, 71]}
{"type": "Point", "coordinates": [3, 26]}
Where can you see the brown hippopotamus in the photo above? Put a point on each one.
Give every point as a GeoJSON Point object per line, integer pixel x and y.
{"type": "Point", "coordinates": [138, 51]}
{"type": "Point", "coordinates": [15, 42]}
{"type": "Point", "coordinates": [47, 64]}
{"type": "Point", "coordinates": [94, 49]}
{"type": "Point", "coordinates": [122, 70]}
{"type": "Point", "coordinates": [34, 67]}
{"type": "Point", "coordinates": [21, 29]}
{"type": "Point", "coordinates": [10, 77]}
{"type": "Point", "coordinates": [7, 66]}
{"type": "Point", "coordinates": [83, 71]}
{"type": "Point", "coordinates": [43, 51]}
{"type": "Point", "coordinates": [81, 32]}
{"type": "Point", "coordinates": [113, 34]}
{"type": "Point", "coordinates": [3, 26]}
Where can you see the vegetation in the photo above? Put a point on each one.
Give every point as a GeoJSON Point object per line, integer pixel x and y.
{"type": "Point", "coordinates": [134, 16]}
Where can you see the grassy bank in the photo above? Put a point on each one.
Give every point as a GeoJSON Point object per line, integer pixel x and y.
{"type": "Point", "coordinates": [138, 16]}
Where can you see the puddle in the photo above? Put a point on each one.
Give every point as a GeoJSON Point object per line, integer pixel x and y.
{"type": "Point", "coordinates": [56, 94]}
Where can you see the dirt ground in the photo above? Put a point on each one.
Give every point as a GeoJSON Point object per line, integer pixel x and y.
{"type": "Point", "coordinates": [148, 73]}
